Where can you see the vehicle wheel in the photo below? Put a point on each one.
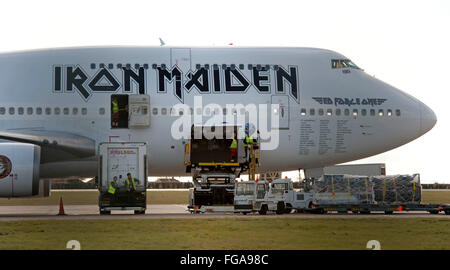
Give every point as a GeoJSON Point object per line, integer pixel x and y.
{"type": "Point", "coordinates": [287, 210]}
{"type": "Point", "coordinates": [447, 212]}
{"type": "Point", "coordinates": [244, 213]}
{"type": "Point", "coordinates": [342, 212]}
{"type": "Point", "coordinates": [105, 212]}
{"type": "Point", "coordinates": [280, 208]}
{"type": "Point", "coordinates": [263, 210]}
{"type": "Point", "coordinates": [365, 212]}
{"type": "Point", "coordinates": [139, 212]}
{"type": "Point", "coordinates": [388, 212]}
{"type": "Point", "coordinates": [434, 212]}
{"type": "Point", "coordinates": [355, 212]}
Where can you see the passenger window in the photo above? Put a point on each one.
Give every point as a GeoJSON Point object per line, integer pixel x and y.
{"type": "Point", "coordinates": [57, 111]}
{"type": "Point", "coordinates": [20, 110]}
{"type": "Point", "coordinates": [397, 112]}
{"type": "Point", "coordinates": [163, 111]}
{"type": "Point", "coordinates": [75, 111]}
{"type": "Point", "coordinates": [347, 112]}
{"type": "Point", "coordinates": [338, 111]}
{"type": "Point", "coordinates": [355, 112]}
{"type": "Point", "coordinates": [12, 110]}
{"type": "Point", "coordinates": [84, 111]}
{"type": "Point", "coordinates": [191, 111]}
{"type": "Point", "coordinates": [215, 66]}
{"type": "Point", "coordinates": [29, 110]}
{"type": "Point", "coordinates": [199, 111]}
{"type": "Point", "coordinates": [372, 112]}
{"type": "Point", "coordinates": [101, 111]}
{"type": "Point", "coordinates": [303, 112]}
{"type": "Point", "coordinates": [363, 112]}
{"type": "Point", "coordinates": [312, 112]}
{"type": "Point", "coordinates": [320, 111]}
{"type": "Point", "coordinates": [2, 110]}
{"type": "Point", "coordinates": [38, 110]}
{"type": "Point", "coordinates": [48, 111]}
{"type": "Point", "coordinates": [389, 112]}
{"type": "Point", "coordinates": [181, 111]}
{"type": "Point", "coordinates": [241, 66]}
{"type": "Point", "coordinates": [329, 112]}
{"type": "Point", "coordinates": [380, 112]}
{"type": "Point", "coordinates": [66, 111]}
{"type": "Point", "coordinates": [155, 111]}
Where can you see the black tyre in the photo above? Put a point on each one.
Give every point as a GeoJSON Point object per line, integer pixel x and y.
{"type": "Point", "coordinates": [355, 212]}
{"type": "Point", "coordinates": [244, 213]}
{"type": "Point", "coordinates": [389, 212]}
{"type": "Point", "coordinates": [365, 212]}
{"type": "Point", "coordinates": [342, 212]}
{"type": "Point", "coordinates": [105, 212]}
{"type": "Point", "coordinates": [280, 208]}
{"type": "Point", "coordinates": [263, 210]}
{"type": "Point", "coordinates": [447, 212]}
{"type": "Point", "coordinates": [139, 212]}
{"type": "Point", "coordinates": [434, 212]}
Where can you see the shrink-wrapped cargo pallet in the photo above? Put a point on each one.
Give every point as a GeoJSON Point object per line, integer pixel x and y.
{"type": "Point", "coordinates": [343, 189]}
{"type": "Point", "coordinates": [397, 188]}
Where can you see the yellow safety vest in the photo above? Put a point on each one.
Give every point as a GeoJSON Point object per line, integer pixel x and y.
{"type": "Point", "coordinates": [111, 189]}
{"type": "Point", "coordinates": [132, 181]}
{"type": "Point", "coordinates": [115, 107]}
{"type": "Point", "coordinates": [248, 140]}
{"type": "Point", "coordinates": [233, 144]}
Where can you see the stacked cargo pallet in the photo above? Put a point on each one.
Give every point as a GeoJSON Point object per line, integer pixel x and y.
{"type": "Point", "coordinates": [352, 189]}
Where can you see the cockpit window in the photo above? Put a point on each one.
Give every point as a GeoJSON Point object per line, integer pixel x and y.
{"type": "Point", "coordinates": [343, 63]}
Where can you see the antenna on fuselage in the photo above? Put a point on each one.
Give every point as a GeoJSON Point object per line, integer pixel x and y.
{"type": "Point", "coordinates": [161, 42]}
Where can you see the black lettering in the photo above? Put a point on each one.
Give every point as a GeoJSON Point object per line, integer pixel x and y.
{"type": "Point", "coordinates": [258, 78]}
{"type": "Point", "coordinates": [111, 86]}
{"type": "Point", "coordinates": [138, 78]}
{"type": "Point", "coordinates": [164, 74]}
{"type": "Point", "coordinates": [229, 86]}
{"type": "Point", "coordinates": [291, 78]}
{"type": "Point", "coordinates": [194, 80]}
{"type": "Point", "coordinates": [76, 78]}
{"type": "Point", "coordinates": [216, 75]}
{"type": "Point", "coordinates": [57, 78]}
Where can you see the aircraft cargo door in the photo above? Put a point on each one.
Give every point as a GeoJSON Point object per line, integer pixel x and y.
{"type": "Point", "coordinates": [283, 112]}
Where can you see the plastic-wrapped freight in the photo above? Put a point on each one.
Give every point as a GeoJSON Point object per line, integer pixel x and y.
{"type": "Point", "coordinates": [343, 189]}
{"type": "Point", "coordinates": [397, 188]}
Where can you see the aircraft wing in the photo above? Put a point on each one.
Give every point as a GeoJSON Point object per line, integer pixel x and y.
{"type": "Point", "coordinates": [55, 145]}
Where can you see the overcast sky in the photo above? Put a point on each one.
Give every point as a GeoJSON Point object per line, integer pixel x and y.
{"type": "Point", "coordinates": [404, 43]}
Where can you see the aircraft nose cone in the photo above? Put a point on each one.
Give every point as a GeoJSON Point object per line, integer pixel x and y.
{"type": "Point", "coordinates": [427, 118]}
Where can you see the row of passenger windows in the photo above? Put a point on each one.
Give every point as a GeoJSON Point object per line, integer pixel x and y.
{"type": "Point", "coordinates": [354, 112]}
{"type": "Point", "coordinates": [197, 66]}
{"type": "Point", "coordinates": [46, 111]}
{"type": "Point", "coordinates": [190, 111]}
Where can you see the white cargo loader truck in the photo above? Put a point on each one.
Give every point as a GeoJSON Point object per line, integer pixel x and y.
{"type": "Point", "coordinates": [122, 177]}
{"type": "Point", "coordinates": [262, 196]}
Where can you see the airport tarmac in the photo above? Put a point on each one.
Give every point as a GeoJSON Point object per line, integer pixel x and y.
{"type": "Point", "coordinates": [10, 213]}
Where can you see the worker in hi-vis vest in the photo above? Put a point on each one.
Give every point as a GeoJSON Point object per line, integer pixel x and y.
{"type": "Point", "coordinates": [130, 183]}
{"type": "Point", "coordinates": [113, 186]}
{"type": "Point", "coordinates": [247, 141]}
{"type": "Point", "coordinates": [115, 112]}
{"type": "Point", "coordinates": [233, 149]}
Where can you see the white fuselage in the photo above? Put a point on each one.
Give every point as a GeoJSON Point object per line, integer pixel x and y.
{"type": "Point", "coordinates": [40, 79]}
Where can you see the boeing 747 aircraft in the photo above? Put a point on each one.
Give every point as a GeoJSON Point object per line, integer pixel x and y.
{"type": "Point", "coordinates": [58, 105]}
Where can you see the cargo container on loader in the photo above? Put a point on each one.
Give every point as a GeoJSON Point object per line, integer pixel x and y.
{"type": "Point", "coordinates": [116, 160]}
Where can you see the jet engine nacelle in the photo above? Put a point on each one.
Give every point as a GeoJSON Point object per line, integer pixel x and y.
{"type": "Point", "coordinates": [19, 169]}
